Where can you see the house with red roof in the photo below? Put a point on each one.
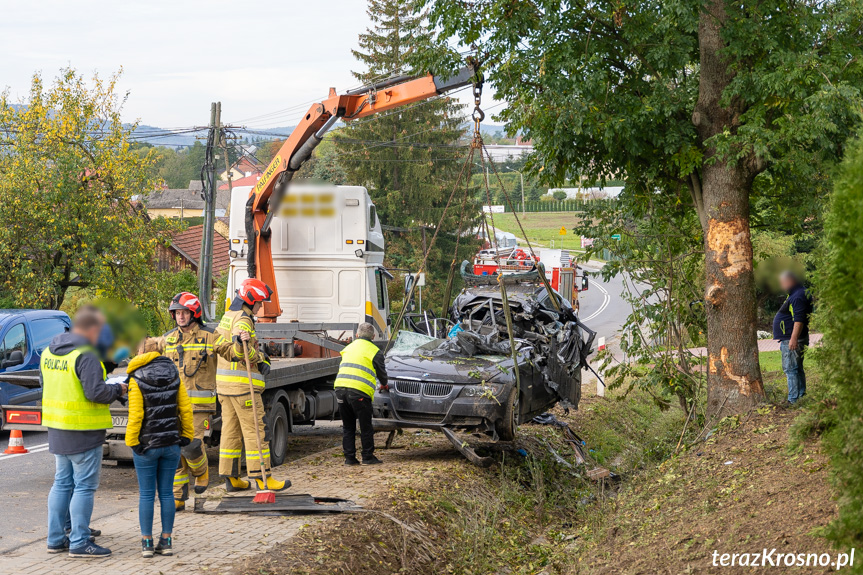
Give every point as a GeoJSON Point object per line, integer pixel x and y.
{"type": "Point", "coordinates": [184, 253]}
{"type": "Point", "coordinates": [247, 165]}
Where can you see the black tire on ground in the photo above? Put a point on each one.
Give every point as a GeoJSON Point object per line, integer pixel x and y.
{"type": "Point", "coordinates": [508, 426]}
{"type": "Point", "coordinates": [278, 423]}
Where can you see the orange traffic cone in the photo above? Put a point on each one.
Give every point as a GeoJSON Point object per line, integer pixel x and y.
{"type": "Point", "coordinates": [16, 442]}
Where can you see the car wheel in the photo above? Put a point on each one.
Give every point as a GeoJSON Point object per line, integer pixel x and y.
{"type": "Point", "coordinates": [278, 422]}
{"type": "Point", "coordinates": [507, 426]}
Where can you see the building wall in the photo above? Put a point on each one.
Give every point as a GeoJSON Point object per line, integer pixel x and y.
{"type": "Point", "coordinates": [175, 212]}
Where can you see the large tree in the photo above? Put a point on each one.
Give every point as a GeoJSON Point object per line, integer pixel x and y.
{"type": "Point", "coordinates": [68, 179]}
{"type": "Point", "coordinates": [711, 97]}
{"type": "Point", "coordinates": [408, 158]}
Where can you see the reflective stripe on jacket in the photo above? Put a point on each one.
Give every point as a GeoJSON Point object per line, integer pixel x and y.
{"type": "Point", "coordinates": [356, 370]}
{"type": "Point", "coordinates": [231, 376]}
{"type": "Point", "coordinates": [64, 405]}
{"type": "Point", "coordinates": [195, 352]}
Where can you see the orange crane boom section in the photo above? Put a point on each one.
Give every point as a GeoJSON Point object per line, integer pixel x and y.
{"type": "Point", "coordinates": [360, 103]}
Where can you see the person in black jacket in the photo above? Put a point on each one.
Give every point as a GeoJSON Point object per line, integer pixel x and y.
{"type": "Point", "coordinates": [791, 329]}
{"type": "Point", "coordinates": [160, 421]}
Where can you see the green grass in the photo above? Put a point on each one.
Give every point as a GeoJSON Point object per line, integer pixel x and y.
{"type": "Point", "coordinates": [542, 228]}
{"type": "Point", "coordinates": [770, 361]}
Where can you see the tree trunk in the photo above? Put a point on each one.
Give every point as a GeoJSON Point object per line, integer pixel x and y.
{"type": "Point", "coordinates": [733, 374]}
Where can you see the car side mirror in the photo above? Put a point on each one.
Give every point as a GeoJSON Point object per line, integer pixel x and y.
{"type": "Point", "coordinates": [15, 358]}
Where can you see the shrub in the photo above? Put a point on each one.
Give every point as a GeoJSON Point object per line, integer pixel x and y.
{"type": "Point", "coordinates": [840, 317]}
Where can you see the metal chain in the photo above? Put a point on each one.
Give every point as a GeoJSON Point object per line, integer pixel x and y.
{"type": "Point", "coordinates": [478, 115]}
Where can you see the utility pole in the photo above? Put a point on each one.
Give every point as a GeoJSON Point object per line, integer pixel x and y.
{"type": "Point", "coordinates": [521, 175]}
{"type": "Point", "coordinates": [223, 141]}
{"type": "Point", "coordinates": [205, 263]}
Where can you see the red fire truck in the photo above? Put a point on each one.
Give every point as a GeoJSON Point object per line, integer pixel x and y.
{"type": "Point", "coordinates": [561, 269]}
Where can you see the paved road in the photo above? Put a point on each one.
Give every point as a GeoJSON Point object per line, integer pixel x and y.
{"type": "Point", "coordinates": [601, 307]}
{"type": "Point", "coordinates": [25, 481]}
{"type": "Point", "coordinates": [24, 484]}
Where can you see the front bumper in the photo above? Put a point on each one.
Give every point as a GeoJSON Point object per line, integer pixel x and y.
{"type": "Point", "coordinates": [433, 405]}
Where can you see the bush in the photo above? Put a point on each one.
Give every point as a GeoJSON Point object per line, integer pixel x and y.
{"type": "Point", "coordinates": [840, 317]}
{"type": "Point", "coordinates": [559, 195]}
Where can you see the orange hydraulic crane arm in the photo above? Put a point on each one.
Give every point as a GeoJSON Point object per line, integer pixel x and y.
{"type": "Point", "coordinates": [272, 186]}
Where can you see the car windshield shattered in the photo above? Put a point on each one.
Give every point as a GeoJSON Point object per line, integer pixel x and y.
{"type": "Point", "coordinates": [466, 377]}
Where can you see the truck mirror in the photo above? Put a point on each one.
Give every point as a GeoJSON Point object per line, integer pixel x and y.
{"type": "Point", "coordinates": [584, 284]}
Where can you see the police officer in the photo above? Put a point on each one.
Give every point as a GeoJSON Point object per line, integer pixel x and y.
{"type": "Point", "coordinates": [75, 409]}
{"type": "Point", "coordinates": [193, 348]}
{"type": "Point", "coordinates": [361, 366]}
{"type": "Point", "coordinates": [232, 385]}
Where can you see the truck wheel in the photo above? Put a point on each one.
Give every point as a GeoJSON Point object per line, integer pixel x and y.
{"type": "Point", "coordinates": [278, 422]}
{"type": "Point", "coordinates": [507, 426]}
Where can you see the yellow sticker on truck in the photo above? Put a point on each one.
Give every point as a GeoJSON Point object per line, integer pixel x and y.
{"type": "Point", "coordinates": [268, 174]}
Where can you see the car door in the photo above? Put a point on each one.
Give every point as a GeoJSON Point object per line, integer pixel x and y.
{"type": "Point", "coordinates": [14, 355]}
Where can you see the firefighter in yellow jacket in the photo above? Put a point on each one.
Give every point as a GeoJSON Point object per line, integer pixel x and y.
{"type": "Point", "coordinates": [232, 385]}
{"type": "Point", "coordinates": [193, 348]}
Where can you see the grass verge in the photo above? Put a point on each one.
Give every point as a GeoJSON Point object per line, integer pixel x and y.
{"type": "Point", "coordinates": [526, 515]}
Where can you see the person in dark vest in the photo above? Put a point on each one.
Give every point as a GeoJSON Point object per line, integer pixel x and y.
{"type": "Point", "coordinates": [362, 366]}
{"type": "Point", "coordinates": [160, 423]}
{"type": "Point", "coordinates": [76, 410]}
{"type": "Point", "coordinates": [791, 329]}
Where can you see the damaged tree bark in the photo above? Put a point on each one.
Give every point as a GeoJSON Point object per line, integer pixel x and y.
{"type": "Point", "coordinates": [734, 381]}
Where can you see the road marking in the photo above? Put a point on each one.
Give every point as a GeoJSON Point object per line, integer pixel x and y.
{"type": "Point", "coordinates": [606, 299]}
{"type": "Point", "coordinates": [34, 449]}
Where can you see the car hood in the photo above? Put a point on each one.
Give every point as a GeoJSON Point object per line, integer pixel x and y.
{"type": "Point", "coordinates": [468, 370]}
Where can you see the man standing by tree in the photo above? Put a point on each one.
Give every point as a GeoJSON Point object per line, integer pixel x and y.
{"type": "Point", "coordinates": [791, 329]}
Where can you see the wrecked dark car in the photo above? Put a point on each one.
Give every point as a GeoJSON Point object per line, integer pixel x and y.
{"type": "Point", "coordinates": [467, 381]}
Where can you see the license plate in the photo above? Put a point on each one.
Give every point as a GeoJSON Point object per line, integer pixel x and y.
{"type": "Point", "coordinates": [120, 421]}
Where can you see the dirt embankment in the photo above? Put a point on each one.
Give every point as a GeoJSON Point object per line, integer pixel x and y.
{"type": "Point", "coordinates": [739, 491]}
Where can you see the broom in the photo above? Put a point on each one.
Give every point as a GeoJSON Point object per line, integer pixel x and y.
{"type": "Point", "coordinates": [264, 495]}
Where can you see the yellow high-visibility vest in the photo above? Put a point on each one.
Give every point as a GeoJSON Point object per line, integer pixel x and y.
{"type": "Point", "coordinates": [356, 370]}
{"type": "Point", "coordinates": [64, 405]}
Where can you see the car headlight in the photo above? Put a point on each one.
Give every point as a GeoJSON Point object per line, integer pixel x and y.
{"type": "Point", "coordinates": [489, 389]}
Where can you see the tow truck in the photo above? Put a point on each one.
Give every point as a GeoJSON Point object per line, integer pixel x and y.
{"type": "Point", "coordinates": [321, 249]}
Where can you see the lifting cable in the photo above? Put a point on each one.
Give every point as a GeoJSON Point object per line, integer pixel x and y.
{"type": "Point", "coordinates": [478, 144]}
{"type": "Point", "coordinates": [409, 296]}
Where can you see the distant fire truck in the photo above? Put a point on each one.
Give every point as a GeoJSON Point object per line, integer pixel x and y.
{"type": "Point", "coordinates": [561, 269]}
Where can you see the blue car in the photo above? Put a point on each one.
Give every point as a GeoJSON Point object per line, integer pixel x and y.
{"type": "Point", "coordinates": [24, 333]}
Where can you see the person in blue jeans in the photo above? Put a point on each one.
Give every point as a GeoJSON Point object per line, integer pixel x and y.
{"type": "Point", "coordinates": [791, 329]}
{"type": "Point", "coordinates": [75, 409]}
{"type": "Point", "coordinates": [160, 422]}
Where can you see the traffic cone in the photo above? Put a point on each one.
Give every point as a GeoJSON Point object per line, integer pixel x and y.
{"type": "Point", "coordinates": [16, 442]}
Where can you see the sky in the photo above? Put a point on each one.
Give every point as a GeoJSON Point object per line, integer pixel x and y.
{"type": "Point", "coordinates": [266, 61]}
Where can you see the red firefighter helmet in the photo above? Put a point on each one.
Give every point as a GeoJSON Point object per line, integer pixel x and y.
{"type": "Point", "coordinates": [254, 290]}
{"type": "Point", "coordinates": [187, 301]}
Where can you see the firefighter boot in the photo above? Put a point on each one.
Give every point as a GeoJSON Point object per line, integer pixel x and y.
{"type": "Point", "coordinates": [179, 505]}
{"type": "Point", "coordinates": [236, 484]}
{"type": "Point", "coordinates": [273, 484]}
{"type": "Point", "coordinates": [195, 459]}
{"type": "Point", "coordinates": [202, 481]}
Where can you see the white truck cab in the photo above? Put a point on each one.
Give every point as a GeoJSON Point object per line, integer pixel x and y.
{"type": "Point", "coordinates": [328, 255]}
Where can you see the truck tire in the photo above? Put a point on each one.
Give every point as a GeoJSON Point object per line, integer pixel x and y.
{"type": "Point", "coordinates": [507, 426]}
{"type": "Point", "coordinates": [277, 419]}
